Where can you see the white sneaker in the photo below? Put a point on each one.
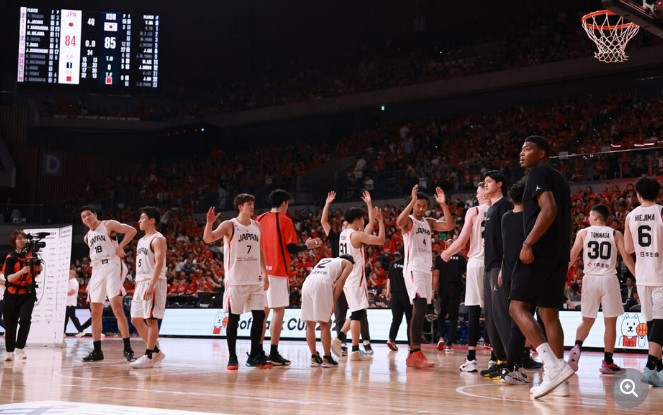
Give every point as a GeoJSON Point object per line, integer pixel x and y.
{"type": "Point", "coordinates": [469, 366]}
{"type": "Point", "coordinates": [514, 377]}
{"type": "Point", "coordinates": [552, 379]}
{"type": "Point", "coordinates": [336, 346]}
{"type": "Point", "coordinates": [143, 362]}
{"type": "Point", "coordinates": [80, 334]}
{"type": "Point", "coordinates": [20, 354]}
{"type": "Point", "coordinates": [9, 356]}
{"type": "Point", "coordinates": [158, 357]}
{"type": "Point", "coordinates": [359, 355]}
{"type": "Point", "coordinates": [562, 390]}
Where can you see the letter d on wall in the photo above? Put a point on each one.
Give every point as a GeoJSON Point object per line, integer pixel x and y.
{"type": "Point", "coordinates": [52, 164]}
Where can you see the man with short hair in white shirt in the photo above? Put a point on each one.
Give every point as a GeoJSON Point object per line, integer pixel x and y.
{"type": "Point", "coordinates": [72, 302]}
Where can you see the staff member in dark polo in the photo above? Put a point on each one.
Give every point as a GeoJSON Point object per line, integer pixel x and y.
{"type": "Point", "coordinates": [450, 276]}
{"type": "Point", "coordinates": [398, 300]}
{"type": "Point", "coordinates": [19, 296]}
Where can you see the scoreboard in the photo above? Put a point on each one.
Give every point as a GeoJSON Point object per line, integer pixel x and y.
{"type": "Point", "coordinates": [74, 47]}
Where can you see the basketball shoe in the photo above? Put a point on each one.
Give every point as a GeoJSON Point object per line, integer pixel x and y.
{"type": "Point", "coordinates": [469, 366]}
{"type": "Point", "coordinates": [143, 362]}
{"type": "Point", "coordinates": [574, 357]}
{"type": "Point", "coordinates": [418, 359]}
{"type": "Point", "coordinates": [316, 360]}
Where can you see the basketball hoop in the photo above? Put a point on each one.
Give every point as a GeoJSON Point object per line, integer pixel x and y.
{"type": "Point", "coordinates": [611, 39]}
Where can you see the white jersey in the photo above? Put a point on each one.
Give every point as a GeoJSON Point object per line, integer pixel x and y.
{"type": "Point", "coordinates": [146, 260]}
{"type": "Point", "coordinates": [599, 253]}
{"type": "Point", "coordinates": [477, 242]}
{"type": "Point", "coordinates": [356, 277]}
{"type": "Point", "coordinates": [328, 269]}
{"type": "Point", "coordinates": [646, 228]}
{"type": "Point", "coordinates": [102, 246]}
{"type": "Point", "coordinates": [418, 250]}
{"type": "Point", "coordinates": [241, 255]}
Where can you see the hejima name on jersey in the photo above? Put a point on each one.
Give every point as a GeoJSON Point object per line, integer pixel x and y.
{"type": "Point", "coordinates": [644, 218]}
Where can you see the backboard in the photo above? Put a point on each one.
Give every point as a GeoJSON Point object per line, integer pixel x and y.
{"type": "Point", "coordinates": [645, 13]}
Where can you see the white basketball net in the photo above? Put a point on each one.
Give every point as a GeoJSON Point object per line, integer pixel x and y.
{"type": "Point", "coordinates": [611, 39]}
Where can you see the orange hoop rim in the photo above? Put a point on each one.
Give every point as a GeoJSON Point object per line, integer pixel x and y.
{"type": "Point", "coordinates": [605, 27]}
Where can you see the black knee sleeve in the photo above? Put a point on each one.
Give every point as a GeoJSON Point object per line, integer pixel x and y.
{"type": "Point", "coordinates": [357, 315]}
{"type": "Point", "coordinates": [231, 333]}
{"type": "Point", "coordinates": [418, 318]}
{"type": "Point", "coordinates": [649, 328]}
{"type": "Point", "coordinates": [657, 331]}
{"type": "Point", "coordinates": [473, 325]}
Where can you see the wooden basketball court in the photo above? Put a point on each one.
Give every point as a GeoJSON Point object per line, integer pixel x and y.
{"type": "Point", "coordinates": [194, 378]}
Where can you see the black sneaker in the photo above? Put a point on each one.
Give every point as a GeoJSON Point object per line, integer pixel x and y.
{"type": "Point", "coordinates": [259, 361]}
{"type": "Point", "coordinates": [316, 360]}
{"type": "Point", "coordinates": [531, 364]}
{"type": "Point", "coordinates": [497, 373]}
{"type": "Point", "coordinates": [329, 361]}
{"type": "Point", "coordinates": [494, 371]}
{"type": "Point", "coordinates": [278, 360]}
{"type": "Point", "coordinates": [368, 349]}
{"type": "Point", "coordinates": [94, 356]}
{"type": "Point", "coordinates": [130, 355]}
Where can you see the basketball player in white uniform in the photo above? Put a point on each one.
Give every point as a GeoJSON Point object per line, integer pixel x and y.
{"type": "Point", "coordinates": [319, 293]}
{"type": "Point", "coordinates": [246, 276]}
{"type": "Point", "coordinates": [107, 276]}
{"type": "Point", "coordinates": [149, 301]}
{"type": "Point", "coordinates": [643, 234]}
{"type": "Point", "coordinates": [473, 231]}
{"type": "Point", "coordinates": [351, 242]}
{"type": "Point", "coordinates": [600, 285]}
{"type": "Point", "coordinates": [417, 269]}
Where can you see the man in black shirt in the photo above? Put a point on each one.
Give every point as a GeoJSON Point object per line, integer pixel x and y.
{"type": "Point", "coordinates": [540, 277]}
{"type": "Point", "coordinates": [400, 303]}
{"type": "Point", "coordinates": [450, 276]}
{"type": "Point", "coordinates": [513, 235]}
{"type": "Point", "coordinates": [496, 308]}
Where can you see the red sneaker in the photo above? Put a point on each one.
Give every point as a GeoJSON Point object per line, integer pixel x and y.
{"type": "Point", "coordinates": [440, 344]}
{"type": "Point", "coordinates": [448, 348]}
{"type": "Point", "coordinates": [392, 345]}
{"type": "Point", "coordinates": [417, 359]}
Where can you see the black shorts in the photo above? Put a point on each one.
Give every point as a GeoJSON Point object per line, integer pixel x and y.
{"type": "Point", "coordinates": [540, 283]}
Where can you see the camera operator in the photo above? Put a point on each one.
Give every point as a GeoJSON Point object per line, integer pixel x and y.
{"type": "Point", "coordinates": [19, 295]}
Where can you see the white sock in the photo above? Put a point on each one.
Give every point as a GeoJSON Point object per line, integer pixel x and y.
{"type": "Point", "coordinates": [547, 355]}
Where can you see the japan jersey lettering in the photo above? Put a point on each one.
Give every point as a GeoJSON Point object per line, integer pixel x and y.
{"type": "Point", "coordinates": [146, 260]}
{"type": "Point", "coordinates": [241, 255]}
{"type": "Point", "coordinates": [418, 250]}
{"type": "Point", "coordinates": [102, 246]}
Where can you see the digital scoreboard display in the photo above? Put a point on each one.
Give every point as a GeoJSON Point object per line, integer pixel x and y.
{"type": "Point", "coordinates": [74, 47]}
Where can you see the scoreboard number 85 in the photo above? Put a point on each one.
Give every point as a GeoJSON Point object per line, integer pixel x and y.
{"type": "Point", "coordinates": [109, 43]}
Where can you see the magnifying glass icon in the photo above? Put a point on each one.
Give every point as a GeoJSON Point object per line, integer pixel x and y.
{"type": "Point", "coordinates": [627, 386]}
